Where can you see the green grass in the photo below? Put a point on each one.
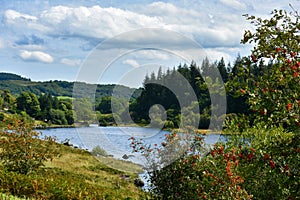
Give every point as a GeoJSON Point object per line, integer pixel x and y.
{"type": "Point", "coordinates": [10, 197]}
{"type": "Point", "coordinates": [125, 166]}
{"type": "Point", "coordinates": [64, 98]}
{"type": "Point", "coordinates": [76, 174]}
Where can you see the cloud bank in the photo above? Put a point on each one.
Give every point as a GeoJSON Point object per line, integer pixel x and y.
{"type": "Point", "coordinates": [36, 56]}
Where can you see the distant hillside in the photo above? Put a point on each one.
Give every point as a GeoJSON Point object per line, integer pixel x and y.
{"type": "Point", "coordinates": [16, 85]}
{"type": "Point", "coordinates": [8, 76]}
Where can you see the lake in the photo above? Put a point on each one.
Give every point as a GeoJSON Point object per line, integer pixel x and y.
{"type": "Point", "coordinates": [114, 140]}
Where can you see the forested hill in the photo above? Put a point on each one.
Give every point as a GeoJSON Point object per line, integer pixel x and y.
{"type": "Point", "coordinates": [8, 76]}
{"type": "Point", "coordinates": [17, 84]}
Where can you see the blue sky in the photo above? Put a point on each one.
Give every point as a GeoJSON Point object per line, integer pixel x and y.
{"type": "Point", "coordinates": [52, 40]}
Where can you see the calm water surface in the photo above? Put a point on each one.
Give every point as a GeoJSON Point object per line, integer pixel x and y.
{"type": "Point", "coordinates": [114, 140]}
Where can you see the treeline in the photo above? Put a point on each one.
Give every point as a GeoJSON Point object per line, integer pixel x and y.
{"type": "Point", "coordinates": [172, 90]}
{"type": "Point", "coordinates": [45, 107]}
{"type": "Point", "coordinates": [17, 84]}
{"type": "Point", "coordinates": [8, 76]}
{"type": "Point", "coordinates": [158, 90]}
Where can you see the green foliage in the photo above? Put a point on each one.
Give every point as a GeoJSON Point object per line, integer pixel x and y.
{"type": "Point", "coordinates": [7, 101]}
{"type": "Point", "coordinates": [108, 103]}
{"type": "Point", "coordinates": [10, 197]}
{"type": "Point", "coordinates": [182, 168]}
{"type": "Point", "coordinates": [8, 76]}
{"type": "Point", "coordinates": [57, 117]}
{"type": "Point", "coordinates": [56, 111]}
{"type": "Point", "coordinates": [83, 108]}
{"type": "Point", "coordinates": [269, 162]}
{"type": "Point", "coordinates": [29, 103]}
{"type": "Point", "coordinates": [63, 88]}
{"type": "Point", "coordinates": [271, 73]}
{"type": "Point", "coordinates": [106, 119]}
{"type": "Point", "coordinates": [256, 164]}
{"type": "Point", "coordinates": [21, 151]}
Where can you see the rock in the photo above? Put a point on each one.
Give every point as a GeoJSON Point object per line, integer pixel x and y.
{"type": "Point", "coordinates": [67, 143]}
{"type": "Point", "coordinates": [125, 156]}
{"type": "Point", "coordinates": [138, 182]}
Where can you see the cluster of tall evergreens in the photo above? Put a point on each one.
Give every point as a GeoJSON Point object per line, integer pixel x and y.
{"type": "Point", "coordinates": [158, 90]}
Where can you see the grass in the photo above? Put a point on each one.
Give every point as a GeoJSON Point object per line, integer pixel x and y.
{"type": "Point", "coordinates": [121, 165]}
{"type": "Point", "coordinates": [76, 174]}
{"type": "Point", "coordinates": [10, 197]}
{"type": "Point", "coordinates": [103, 172]}
{"type": "Point", "coordinates": [64, 98]}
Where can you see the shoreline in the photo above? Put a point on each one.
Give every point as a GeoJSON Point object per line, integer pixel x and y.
{"type": "Point", "coordinates": [175, 130]}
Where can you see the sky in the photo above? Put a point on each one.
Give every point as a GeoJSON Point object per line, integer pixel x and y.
{"type": "Point", "coordinates": [114, 41]}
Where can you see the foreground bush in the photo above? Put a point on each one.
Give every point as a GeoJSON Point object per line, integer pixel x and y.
{"type": "Point", "coordinates": [257, 164]}
{"type": "Point", "coordinates": [269, 162]}
{"type": "Point", "coordinates": [21, 149]}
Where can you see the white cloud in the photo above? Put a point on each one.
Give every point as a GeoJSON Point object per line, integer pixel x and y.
{"type": "Point", "coordinates": [235, 4]}
{"type": "Point", "coordinates": [94, 21]}
{"type": "Point", "coordinates": [131, 62]}
{"type": "Point", "coordinates": [101, 22]}
{"type": "Point", "coordinates": [36, 56]}
{"type": "Point", "coordinates": [24, 21]}
{"type": "Point", "coordinates": [12, 15]}
{"type": "Point", "coordinates": [70, 62]}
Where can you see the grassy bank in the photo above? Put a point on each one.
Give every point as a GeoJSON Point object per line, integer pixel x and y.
{"type": "Point", "coordinates": [76, 174]}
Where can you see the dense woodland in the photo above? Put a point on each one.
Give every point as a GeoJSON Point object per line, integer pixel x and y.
{"type": "Point", "coordinates": [52, 102]}
{"type": "Point", "coordinates": [155, 91]}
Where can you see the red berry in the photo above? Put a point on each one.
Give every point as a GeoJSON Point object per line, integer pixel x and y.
{"type": "Point", "coordinates": [289, 106]}
{"type": "Point", "coordinates": [254, 59]}
{"type": "Point", "coordinates": [294, 67]}
{"type": "Point", "coordinates": [293, 54]}
{"type": "Point", "coordinates": [266, 156]}
{"type": "Point", "coordinates": [272, 164]}
{"type": "Point", "coordinates": [242, 91]}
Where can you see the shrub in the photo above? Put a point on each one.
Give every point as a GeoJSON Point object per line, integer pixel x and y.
{"type": "Point", "coordinates": [269, 162]}
{"type": "Point", "coordinates": [98, 151]}
{"type": "Point", "coordinates": [21, 149]}
{"type": "Point", "coordinates": [255, 164]}
{"type": "Point", "coordinates": [181, 169]}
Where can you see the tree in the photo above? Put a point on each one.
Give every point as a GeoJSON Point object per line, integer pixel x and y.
{"type": "Point", "coordinates": [29, 103]}
{"type": "Point", "coordinates": [57, 117]}
{"type": "Point", "coordinates": [45, 102]}
{"type": "Point", "coordinates": [222, 69]}
{"type": "Point", "coordinates": [8, 101]}
{"type": "Point", "coordinates": [83, 110]}
{"type": "Point", "coordinates": [275, 94]}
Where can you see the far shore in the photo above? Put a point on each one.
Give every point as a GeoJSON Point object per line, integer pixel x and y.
{"type": "Point", "coordinates": [174, 130]}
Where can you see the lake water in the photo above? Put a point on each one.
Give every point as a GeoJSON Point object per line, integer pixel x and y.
{"type": "Point", "coordinates": [114, 140]}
